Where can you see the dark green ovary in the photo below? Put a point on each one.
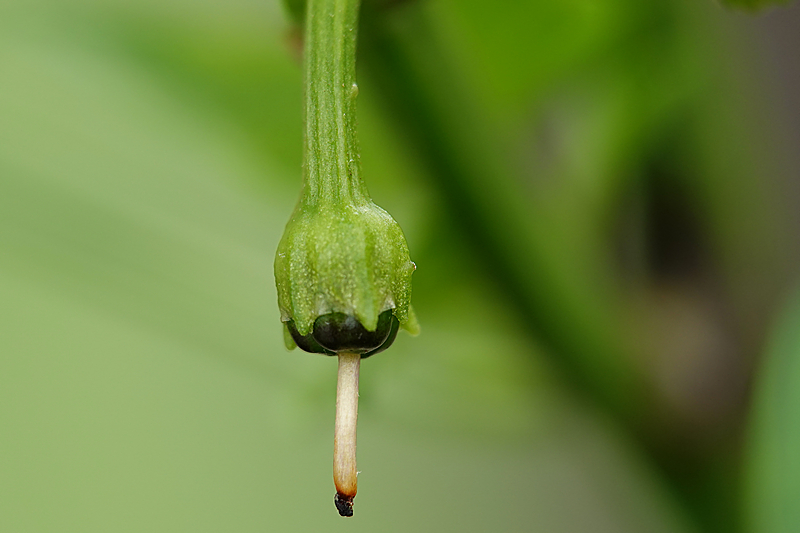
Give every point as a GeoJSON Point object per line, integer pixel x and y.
{"type": "Point", "coordinates": [336, 333]}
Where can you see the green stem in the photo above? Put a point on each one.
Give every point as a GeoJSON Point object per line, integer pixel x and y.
{"type": "Point", "coordinates": [332, 159]}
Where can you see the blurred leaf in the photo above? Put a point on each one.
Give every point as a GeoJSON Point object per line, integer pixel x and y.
{"type": "Point", "coordinates": [774, 469]}
{"type": "Point", "coordinates": [296, 9]}
{"type": "Point", "coordinates": [754, 4]}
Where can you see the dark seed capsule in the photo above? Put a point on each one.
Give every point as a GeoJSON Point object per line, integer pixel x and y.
{"type": "Point", "coordinates": [307, 343]}
{"type": "Point", "coordinates": [343, 333]}
{"type": "Point", "coordinates": [389, 340]}
{"type": "Point", "coordinates": [337, 332]}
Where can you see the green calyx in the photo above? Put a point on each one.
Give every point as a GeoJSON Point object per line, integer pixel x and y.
{"type": "Point", "coordinates": [351, 259]}
{"type": "Point", "coordinates": [340, 252]}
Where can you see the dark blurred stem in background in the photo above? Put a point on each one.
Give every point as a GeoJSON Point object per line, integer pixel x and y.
{"type": "Point", "coordinates": [439, 122]}
{"type": "Point", "coordinates": [467, 164]}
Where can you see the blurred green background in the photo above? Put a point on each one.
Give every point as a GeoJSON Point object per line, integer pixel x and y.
{"type": "Point", "coordinates": [601, 198]}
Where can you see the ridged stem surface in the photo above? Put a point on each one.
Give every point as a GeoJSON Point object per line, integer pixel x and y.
{"type": "Point", "coordinates": [332, 166]}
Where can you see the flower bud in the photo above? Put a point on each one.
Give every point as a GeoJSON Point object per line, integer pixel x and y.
{"type": "Point", "coordinates": [344, 278]}
{"type": "Point", "coordinates": [342, 268]}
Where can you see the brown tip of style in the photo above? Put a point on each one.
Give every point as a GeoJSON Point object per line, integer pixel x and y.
{"type": "Point", "coordinates": [344, 504]}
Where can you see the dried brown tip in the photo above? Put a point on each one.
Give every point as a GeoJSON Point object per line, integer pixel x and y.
{"type": "Point", "coordinates": [344, 504]}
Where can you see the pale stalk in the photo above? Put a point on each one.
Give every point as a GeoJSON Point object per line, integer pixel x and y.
{"type": "Point", "coordinates": [344, 439]}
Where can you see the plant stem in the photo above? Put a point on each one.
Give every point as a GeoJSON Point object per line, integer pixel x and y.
{"type": "Point", "coordinates": [344, 438]}
{"type": "Point", "coordinates": [332, 159]}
